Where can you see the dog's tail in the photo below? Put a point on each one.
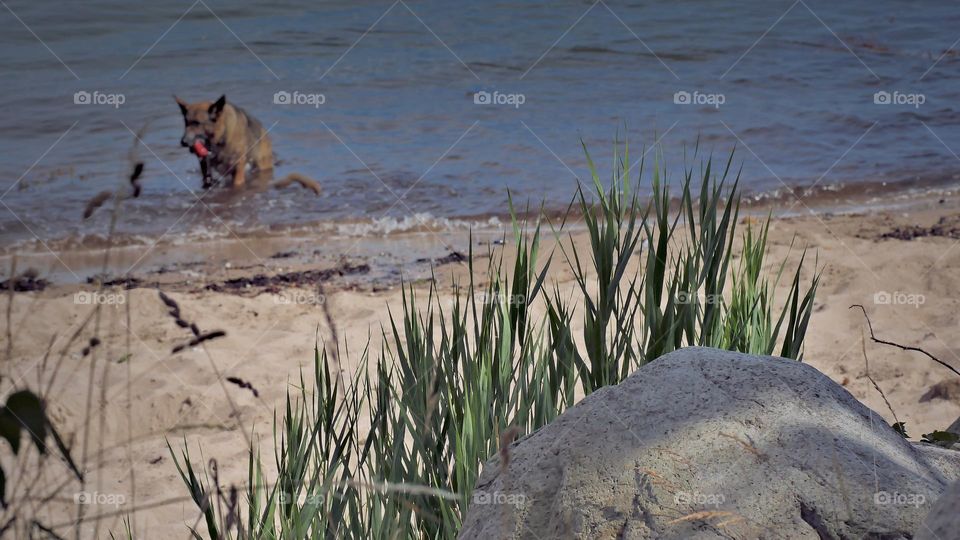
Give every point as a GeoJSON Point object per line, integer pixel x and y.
{"type": "Point", "coordinates": [296, 178]}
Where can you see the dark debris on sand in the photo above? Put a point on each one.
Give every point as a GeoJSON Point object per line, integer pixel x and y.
{"type": "Point", "coordinates": [127, 282]}
{"type": "Point", "coordinates": [945, 228]}
{"type": "Point", "coordinates": [290, 279]}
{"type": "Point", "coordinates": [28, 281]}
{"type": "Point", "coordinates": [452, 257]}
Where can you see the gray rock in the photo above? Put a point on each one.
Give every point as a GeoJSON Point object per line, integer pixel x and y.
{"type": "Point", "coordinates": [955, 429]}
{"type": "Point", "coordinates": [943, 521]}
{"type": "Point", "coordinates": [705, 443]}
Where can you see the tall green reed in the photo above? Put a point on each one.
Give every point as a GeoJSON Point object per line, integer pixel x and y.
{"type": "Point", "coordinates": [396, 451]}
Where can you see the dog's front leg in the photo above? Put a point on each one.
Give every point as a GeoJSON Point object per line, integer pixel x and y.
{"type": "Point", "coordinates": [240, 172]}
{"type": "Point", "coordinates": [205, 171]}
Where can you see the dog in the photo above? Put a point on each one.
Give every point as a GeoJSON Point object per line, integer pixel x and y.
{"type": "Point", "coordinates": [228, 139]}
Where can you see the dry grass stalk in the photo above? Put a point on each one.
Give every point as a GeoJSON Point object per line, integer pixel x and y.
{"type": "Point", "coordinates": [703, 516]}
{"type": "Point", "coordinates": [506, 439]}
{"type": "Point", "coordinates": [750, 448]}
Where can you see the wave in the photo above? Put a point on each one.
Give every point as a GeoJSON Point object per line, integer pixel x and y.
{"type": "Point", "coordinates": [380, 227]}
{"type": "Point", "coordinates": [419, 222]}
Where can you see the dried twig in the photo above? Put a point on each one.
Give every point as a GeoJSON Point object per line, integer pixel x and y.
{"type": "Point", "coordinates": [902, 347]}
{"type": "Point", "coordinates": [866, 364]}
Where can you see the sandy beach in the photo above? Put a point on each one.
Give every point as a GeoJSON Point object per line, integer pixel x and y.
{"type": "Point", "coordinates": [898, 262]}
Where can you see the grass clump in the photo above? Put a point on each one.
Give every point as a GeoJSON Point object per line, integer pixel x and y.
{"type": "Point", "coordinates": [396, 451]}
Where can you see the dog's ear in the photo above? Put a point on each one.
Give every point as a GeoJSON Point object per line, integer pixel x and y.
{"type": "Point", "coordinates": [182, 104]}
{"type": "Point", "coordinates": [217, 107]}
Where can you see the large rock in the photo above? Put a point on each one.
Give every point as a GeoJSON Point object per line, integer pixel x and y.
{"type": "Point", "coordinates": [943, 521]}
{"type": "Point", "coordinates": [705, 443]}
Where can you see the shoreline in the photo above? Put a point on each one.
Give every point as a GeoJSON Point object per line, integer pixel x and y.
{"type": "Point", "coordinates": [69, 261]}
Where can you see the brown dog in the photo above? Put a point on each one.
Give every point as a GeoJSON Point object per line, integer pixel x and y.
{"type": "Point", "coordinates": [228, 139]}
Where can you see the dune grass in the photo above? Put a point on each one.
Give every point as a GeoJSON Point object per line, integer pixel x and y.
{"type": "Point", "coordinates": [396, 451]}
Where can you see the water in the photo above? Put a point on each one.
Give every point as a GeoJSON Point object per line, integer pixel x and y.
{"type": "Point", "coordinates": [399, 139]}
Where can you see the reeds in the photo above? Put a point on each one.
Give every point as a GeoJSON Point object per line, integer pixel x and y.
{"type": "Point", "coordinates": [396, 451]}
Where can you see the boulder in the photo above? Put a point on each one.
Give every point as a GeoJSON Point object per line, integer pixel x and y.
{"type": "Point", "coordinates": [943, 521]}
{"type": "Point", "coordinates": [703, 443]}
{"type": "Point", "coordinates": [955, 429]}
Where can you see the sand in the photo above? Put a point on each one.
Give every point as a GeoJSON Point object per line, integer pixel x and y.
{"type": "Point", "coordinates": [271, 329]}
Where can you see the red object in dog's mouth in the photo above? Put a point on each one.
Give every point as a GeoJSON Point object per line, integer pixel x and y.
{"type": "Point", "coordinates": [200, 149]}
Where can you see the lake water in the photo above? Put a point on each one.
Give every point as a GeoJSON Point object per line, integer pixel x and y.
{"type": "Point", "coordinates": [399, 139]}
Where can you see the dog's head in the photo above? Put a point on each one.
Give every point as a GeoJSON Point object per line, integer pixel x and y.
{"type": "Point", "coordinates": [200, 120]}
